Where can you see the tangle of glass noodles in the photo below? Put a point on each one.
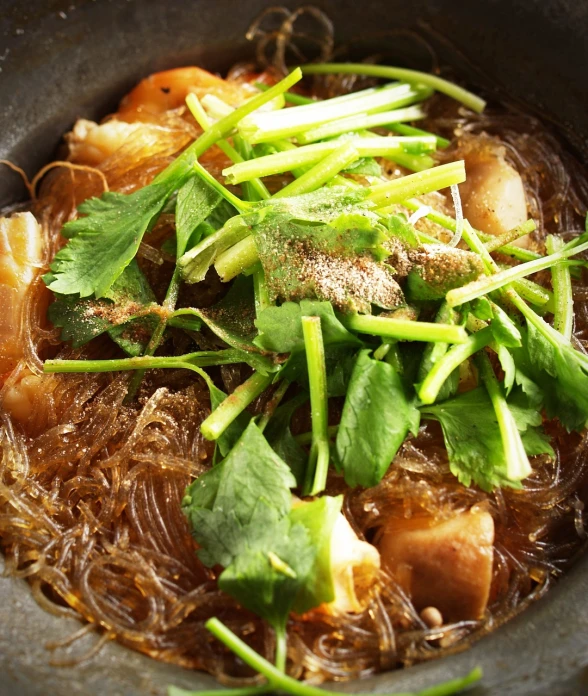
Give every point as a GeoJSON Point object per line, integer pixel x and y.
{"type": "Point", "coordinates": [90, 487]}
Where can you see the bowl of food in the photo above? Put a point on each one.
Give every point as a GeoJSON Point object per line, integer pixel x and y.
{"type": "Point", "coordinates": [293, 355]}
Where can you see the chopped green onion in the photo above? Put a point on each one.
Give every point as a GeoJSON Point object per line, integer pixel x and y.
{"type": "Point", "coordinates": [223, 127]}
{"type": "Point", "coordinates": [450, 223]}
{"type": "Point", "coordinates": [510, 236]}
{"type": "Point", "coordinates": [290, 97]}
{"type": "Point", "coordinates": [203, 121]}
{"type": "Point", "coordinates": [415, 163]}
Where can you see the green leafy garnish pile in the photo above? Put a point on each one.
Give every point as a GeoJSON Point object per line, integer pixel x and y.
{"type": "Point", "coordinates": [334, 295]}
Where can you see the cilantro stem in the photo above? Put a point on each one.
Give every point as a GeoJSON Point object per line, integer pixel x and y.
{"type": "Point", "coordinates": [290, 97]}
{"type": "Point", "coordinates": [169, 303]}
{"type": "Point", "coordinates": [318, 462]}
{"type": "Point", "coordinates": [404, 129]}
{"type": "Point", "coordinates": [196, 262]}
{"type": "Point", "coordinates": [563, 315]}
{"type": "Point", "coordinates": [226, 412]}
{"type": "Point", "coordinates": [549, 333]}
{"type": "Point", "coordinates": [416, 163]}
{"type": "Point", "coordinates": [183, 165]}
{"type": "Point", "coordinates": [204, 122]}
{"type": "Point", "coordinates": [360, 122]}
{"type": "Point", "coordinates": [281, 649]}
{"type": "Point", "coordinates": [517, 462]}
{"type": "Point", "coordinates": [454, 357]}
{"type": "Point", "coordinates": [532, 292]}
{"type": "Point", "coordinates": [399, 190]}
{"type": "Point", "coordinates": [273, 404]}
{"type": "Point", "coordinates": [236, 259]}
{"type": "Point", "coordinates": [266, 127]}
{"type": "Point", "coordinates": [260, 291]}
{"type": "Point", "coordinates": [279, 680]}
{"type": "Point", "coordinates": [387, 72]}
{"type": "Point", "coordinates": [291, 157]}
{"type": "Point", "coordinates": [241, 205]}
{"type": "Point", "coordinates": [510, 235]}
{"type": "Point", "coordinates": [450, 224]}
{"type": "Point", "coordinates": [189, 361]}
{"type": "Point", "coordinates": [322, 172]}
{"type": "Point", "coordinates": [244, 691]}
{"type": "Point", "coordinates": [477, 288]}
{"type": "Point", "coordinates": [404, 329]}
{"type": "Point", "coordinates": [306, 438]}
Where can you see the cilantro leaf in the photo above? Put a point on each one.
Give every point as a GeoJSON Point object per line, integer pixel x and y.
{"type": "Point", "coordinates": [365, 166]}
{"type": "Point", "coordinates": [195, 202]}
{"type": "Point", "coordinates": [528, 420]}
{"type": "Point", "coordinates": [274, 557]}
{"type": "Point", "coordinates": [232, 320]}
{"type": "Point", "coordinates": [281, 440]}
{"type": "Point", "coordinates": [401, 229]}
{"type": "Point", "coordinates": [280, 328]}
{"type": "Point", "coordinates": [81, 320]}
{"type": "Point", "coordinates": [339, 362]}
{"type": "Point", "coordinates": [472, 436]}
{"type": "Point", "coordinates": [319, 518]}
{"type": "Point", "coordinates": [252, 471]}
{"type": "Point", "coordinates": [339, 261]}
{"type": "Point", "coordinates": [437, 269]}
{"type": "Point", "coordinates": [376, 418]}
{"type": "Point", "coordinates": [103, 243]}
{"type": "Point", "coordinates": [268, 583]}
{"type": "Point", "coordinates": [504, 330]}
{"type": "Point", "coordinates": [319, 206]}
{"type": "Point", "coordinates": [560, 372]}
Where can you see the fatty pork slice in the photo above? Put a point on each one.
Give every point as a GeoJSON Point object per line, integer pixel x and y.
{"type": "Point", "coordinates": [20, 258]}
{"type": "Point", "coordinates": [446, 565]}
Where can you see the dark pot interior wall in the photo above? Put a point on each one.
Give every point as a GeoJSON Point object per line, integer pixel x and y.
{"type": "Point", "coordinates": [62, 60]}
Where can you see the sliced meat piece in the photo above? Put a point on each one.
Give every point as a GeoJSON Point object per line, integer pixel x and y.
{"type": "Point", "coordinates": [90, 143]}
{"type": "Point", "coordinates": [493, 195]}
{"type": "Point", "coordinates": [21, 245]}
{"type": "Point", "coordinates": [20, 256]}
{"type": "Point", "coordinates": [447, 565]}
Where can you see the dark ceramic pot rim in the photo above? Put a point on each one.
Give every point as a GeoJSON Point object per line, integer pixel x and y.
{"type": "Point", "coordinates": [61, 60]}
